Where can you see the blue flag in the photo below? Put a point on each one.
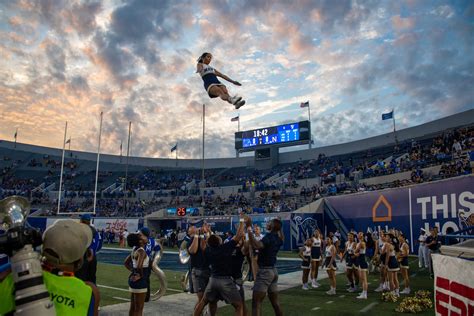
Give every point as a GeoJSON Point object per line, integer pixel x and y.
{"type": "Point", "coordinates": [174, 147]}
{"type": "Point", "coordinates": [387, 116]}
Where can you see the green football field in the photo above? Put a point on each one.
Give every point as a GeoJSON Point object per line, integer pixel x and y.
{"type": "Point", "coordinates": [296, 301]}
{"type": "Point", "coordinates": [112, 281]}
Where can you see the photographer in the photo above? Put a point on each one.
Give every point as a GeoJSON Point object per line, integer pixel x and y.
{"type": "Point", "coordinates": [64, 245]}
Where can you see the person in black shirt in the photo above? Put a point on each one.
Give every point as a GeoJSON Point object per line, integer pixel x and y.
{"type": "Point", "coordinates": [433, 245]}
{"type": "Point", "coordinates": [267, 276]}
{"type": "Point", "coordinates": [199, 264]}
{"type": "Point", "coordinates": [238, 257]}
{"type": "Point", "coordinates": [221, 284]}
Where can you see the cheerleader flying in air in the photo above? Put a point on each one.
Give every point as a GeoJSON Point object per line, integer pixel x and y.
{"type": "Point", "coordinates": [215, 88]}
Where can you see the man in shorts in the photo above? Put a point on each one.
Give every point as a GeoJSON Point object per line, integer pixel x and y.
{"type": "Point", "coordinates": [267, 275]}
{"type": "Point", "coordinates": [221, 283]}
{"type": "Point", "coordinates": [199, 264]}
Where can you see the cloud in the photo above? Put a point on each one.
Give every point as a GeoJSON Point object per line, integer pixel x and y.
{"type": "Point", "coordinates": [402, 24]}
{"type": "Point", "coordinates": [135, 60]}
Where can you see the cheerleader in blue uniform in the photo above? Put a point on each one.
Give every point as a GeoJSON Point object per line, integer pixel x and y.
{"type": "Point", "coordinates": [392, 263]}
{"type": "Point", "coordinates": [330, 265]}
{"type": "Point", "coordinates": [137, 263]}
{"type": "Point", "coordinates": [362, 265]}
{"type": "Point", "coordinates": [316, 245]}
{"type": "Point", "coordinates": [305, 255]}
{"type": "Point", "coordinates": [215, 88]}
{"type": "Point", "coordinates": [380, 251]}
{"type": "Point", "coordinates": [349, 257]}
{"type": "Point", "coordinates": [403, 259]}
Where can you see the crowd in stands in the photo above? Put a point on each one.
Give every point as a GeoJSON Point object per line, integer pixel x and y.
{"type": "Point", "coordinates": [278, 190]}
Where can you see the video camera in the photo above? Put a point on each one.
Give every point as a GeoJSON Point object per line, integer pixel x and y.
{"type": "Point", "coordinates": [18, 241]}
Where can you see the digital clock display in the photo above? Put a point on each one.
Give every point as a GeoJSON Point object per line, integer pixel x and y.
{"type": "Point", "coordinates": [182, 211]}
{"type": "Point", "coordinates": [271, 135]}
{"type": "Point", "coordinates": [281, 134]}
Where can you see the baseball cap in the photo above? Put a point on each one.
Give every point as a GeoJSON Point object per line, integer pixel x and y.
{"type": "Point", "coordinates": [145, 231]}
{"type": "Point", "coordinates": [67, 241]}
{"type": "Point", "coordinates": [86, 217]}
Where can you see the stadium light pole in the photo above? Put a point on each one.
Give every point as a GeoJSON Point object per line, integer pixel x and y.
{"type": "Point", "coordinates": [126, 167]}
{"type": "Point", "coordinates": [62, 169]}
{"type": "Point", "coordinates": [98, 160]}
{"type": "Point", "coordinates": [394, 129]}
{"type": "Point", "coordinates": [203, 148]}
{"type": "Point", "coordinates": [309, 118]}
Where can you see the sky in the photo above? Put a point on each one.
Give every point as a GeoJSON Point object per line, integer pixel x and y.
{"type": "Point", "coordinates": [135, 60]}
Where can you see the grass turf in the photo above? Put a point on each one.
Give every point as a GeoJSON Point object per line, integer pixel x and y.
{"type": "Point", "coordinates": [282, 254]}
{"type": "Point", "coordinates": [296, 301]}
{"type": "Point", "coordinates": [116, 276]}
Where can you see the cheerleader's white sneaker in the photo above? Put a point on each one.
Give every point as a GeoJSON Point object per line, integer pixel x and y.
{"type": "Point", "coordinates": [362, 296]}
{"type": "Point", "coordinates": [405, 291]}
{"type": "Point", "coordinates": [239, 104]}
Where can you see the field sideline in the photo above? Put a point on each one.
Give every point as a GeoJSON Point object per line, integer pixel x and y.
{"type": "Point", "coordinates": [296, 301]}
{"type": "Point", "coordinates": [112, 281]}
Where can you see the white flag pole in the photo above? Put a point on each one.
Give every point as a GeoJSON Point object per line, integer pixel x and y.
{"type": "Point", "coordinates": [309, 118]}
{"type": "Point", "coordinates": [98, 159]}
{"type": "Point", "coordinates": [62, 169]}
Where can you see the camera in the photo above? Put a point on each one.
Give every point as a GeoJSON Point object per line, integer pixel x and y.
{"type": "Point", "coordinates": [18, 241]}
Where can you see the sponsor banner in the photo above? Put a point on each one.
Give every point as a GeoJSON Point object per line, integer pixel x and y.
{"type": "Point", "coordinates": [112, 224]}
{"type": "Point", "coordinates": [448, 204]}
{"type": "Point", "coordinates": [116, 224]}
{"type": "Point", "coordinates": [302, 227]}
{"type": "Point", "coordinates": [453, 285]}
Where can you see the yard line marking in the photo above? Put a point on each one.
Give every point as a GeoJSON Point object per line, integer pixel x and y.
{"type": "Point", "coordinates": [342, 296]}
{"type": "Point", "coordinates": [174, 252]}
{"type": "Point", "coordinates": [368, 307]}
{"type": "Point", "coordinates": [126, 290]}
{"type": "Point", "coordinates": [316, 308]}
{"type": "Point", "coordinates": [329, 302]}
{"type": "Point", "coordinates": [121, 298]}
{"type": "Point", "coordinates": [112, 288]}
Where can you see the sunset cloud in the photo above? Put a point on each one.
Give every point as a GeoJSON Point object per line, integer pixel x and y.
{"type": "Point", "coordinates": [135, 61]}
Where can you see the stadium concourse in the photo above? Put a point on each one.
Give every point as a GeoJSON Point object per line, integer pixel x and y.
{"type": "Point", "coordinates": [420, 178]}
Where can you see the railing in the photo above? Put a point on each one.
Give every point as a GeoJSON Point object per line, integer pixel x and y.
{"type": "Point", "coordinates": [458, 235]}
{"type": "Point", "coordinates": [336, 220]}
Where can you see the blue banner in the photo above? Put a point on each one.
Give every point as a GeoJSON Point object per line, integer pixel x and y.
{"type": "Point", "coordinates": [387, 116]}
{"type": "Point", "coordinates": [448, 204]}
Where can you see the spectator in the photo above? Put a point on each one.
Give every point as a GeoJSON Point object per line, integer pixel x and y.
{"type": "Point", "coordinates": [88, 270]}
{"type": "Point", "coordinates": [64, 244]}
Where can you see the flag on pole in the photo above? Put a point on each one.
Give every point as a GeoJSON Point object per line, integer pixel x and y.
{"type": "Point", "coordinates": [68, 141]}
{"type": "Point", "coordinates": [120, 147]}
{"type": "Point", "coordinates": [174, 147]}
{"type": "Point", "coordinates": [304, 104]}
{"type": "Point", "coordinates": [387, 116]}
{"type": "Point", "coordinates": [235, 119]}
{"type": "Point", "coordinates": [16, 133]}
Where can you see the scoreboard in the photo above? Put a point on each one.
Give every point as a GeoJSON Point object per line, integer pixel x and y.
{"type": "Point", "coordinates": [282, 135]}
{"type": "Point", "coordinates": [182, 211]}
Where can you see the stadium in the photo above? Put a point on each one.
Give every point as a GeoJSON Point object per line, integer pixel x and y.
{"type": "Point", "coordinates": [236, 157]}
{"type": "Point", "coordinates": [411, 180]}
